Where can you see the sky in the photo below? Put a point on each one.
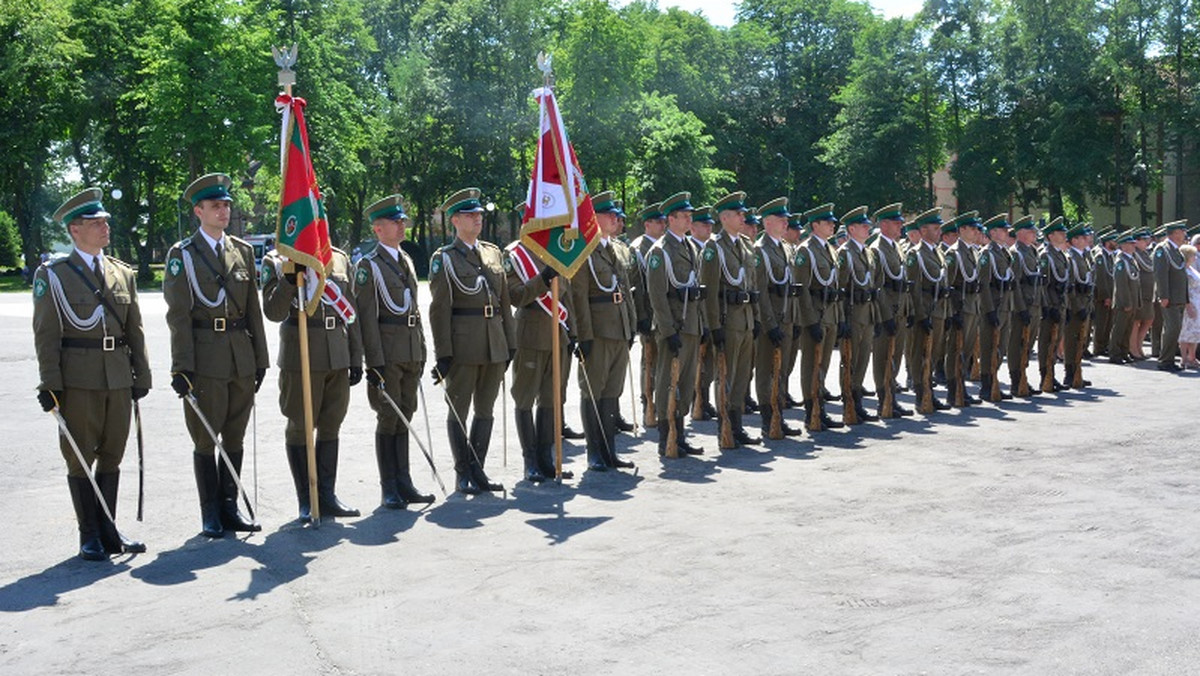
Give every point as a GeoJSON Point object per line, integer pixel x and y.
{"type": "Point", "coordinates": [720, 12]}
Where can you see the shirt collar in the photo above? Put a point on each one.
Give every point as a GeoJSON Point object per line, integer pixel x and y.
{"type": "Point", "coordinates": [212, 243]}
{"type": "Point", "coordinates": [394, 252]}
{"type": "Point", "coordinates": [87, 257]}
{"type": "Point", "coordinates": [677, 237]}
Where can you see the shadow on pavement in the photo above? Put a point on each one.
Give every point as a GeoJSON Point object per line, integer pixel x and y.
{"type": "Point", "coordinates": [462, 511]}
{"type": "Point", "coordinates": [45, 588]}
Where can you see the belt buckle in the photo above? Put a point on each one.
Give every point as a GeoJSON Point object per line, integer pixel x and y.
{"type": "Point", "coordinates": [489, 311]}
{"type": "Point", "coordinates": [330, 323]}
{"type": "Point", "coordinates": [219, 324]}
{"type": "Point", "coordinates": [108, 344]}
{"type": "Point", "coordinates": [618, 298]}
{"type": "Point", "coordinates": [412, 321]}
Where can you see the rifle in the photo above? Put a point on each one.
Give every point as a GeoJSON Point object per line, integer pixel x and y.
{"type": "Point", "coordinates": [776, 429]}
{"type": "Point", "coordinates": [925, 406]}
{"type": "Point", "coordinates": [649, 356]}
{"type": "Point", "coordinates": [849, 410]}
{"type": "Point", "coordinates": [814, 394]}
{"type": "Point", "coordinates": [672, 404]}
{"type": "Point", "coordinates": [976, 366]}
{"type": "Point", "coordinates": [888, 402]}
{"type": "Point", "coordinates": [994, 394]}
{"type": "Point", "coordinates": [698, 397]}
{"type": "Point", "coordinates": [1049, 358]}
{"type": "Point", "coordinates": [960, 383]}
{"type": "Point", "coordinates": [726, 433]}
{"type": "Point", "coordinates": [1022, 384]}
{"type": "Point", "coordinates": [1077, 375]}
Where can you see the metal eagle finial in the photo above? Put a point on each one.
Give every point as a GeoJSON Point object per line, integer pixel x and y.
{"type": "Point", "coordinates": [286, 58]}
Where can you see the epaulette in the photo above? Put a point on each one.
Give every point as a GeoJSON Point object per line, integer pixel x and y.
{"type": "Point", "coordinates": [110, 259]}
{"type": "Point", "coordinates": [56, 259]}
{"type": "Point", "coordinates": [481, 243]}
{"type": "Point", "coordinates": [372, 254]}
{"type": "Point", "coordinates": [337, 250]}
{"type": "Point", "coordinates": [238, 240]}
{"type": "Point", "coordinates": [183, 242]}
{"type": "Point", "coordinates": [512, 245]}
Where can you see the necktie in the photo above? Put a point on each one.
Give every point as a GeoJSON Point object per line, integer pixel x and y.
{"type": "Point", "coordinates": [98, 271]}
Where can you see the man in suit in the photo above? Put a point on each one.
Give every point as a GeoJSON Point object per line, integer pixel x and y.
{"type": "Point", "coordinates": [218, 346]}
{"type": "Point", "coordinates": [92, 360]}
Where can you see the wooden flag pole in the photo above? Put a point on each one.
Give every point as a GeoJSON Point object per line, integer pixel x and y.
{"type": "Point", "coordinates": [556, 361]}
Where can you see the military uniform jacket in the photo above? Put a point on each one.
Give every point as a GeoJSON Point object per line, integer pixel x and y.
{"type": "Point", "coordinates": [1104, 262]}
{"type": "Point", "coordinates": [641, 295]}
{"type": "Point", "coordinates": [926, 271]}
{"type": "Point", "coordinates": [470, 313]}
{"type": "Point", "coordinates": [1028, 276]}
{"type": "Point", "coordinates": [1145, 261]}
{"type": "Point", "coordinates": [213, 309]}
{"type": "Point", "coordinates": [1127, 287]}
{"type": "Point", "coordinates": [672, 274]}
{"type": "Point", "coordinates": [773, 277]}
{"type": "Point", "coordinates": [601, 295]}
{"type": "Point", "coordinates": [816, 267]}
{"type": "Point", "coordinates": [887, 265]}
{"type": "Point", "coordinates": [1082, 284]}
{"type": "Point", "coordinates": [532, 320]}
{"type": "Point", "coordinates": [385, 295]}
{"type": "Point", "coordinates": [1056, 276]}
{"type": "Point", "coordinates": [997, 280]}
{"type": "Point", "coordinates": [1170, 277]}
{"type": "Point", "coordinates": [728, 275]}
{"type": "Point", "coordinates": [858, 283]}
{"type": "Point", "coordinates": [332, 344]}
{"type": "Point", "coordinates": [68, 318]}
{"type": "Point", "coordinates": [962, 273]}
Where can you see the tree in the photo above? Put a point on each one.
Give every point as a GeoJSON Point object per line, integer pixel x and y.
{"type": "Point", "coordinates": [673, 153]}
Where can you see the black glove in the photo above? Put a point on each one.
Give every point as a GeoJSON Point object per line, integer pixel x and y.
{"type": "Point", "coordinates": [675, 343]}
{"type": "Point", "coordinates": [843, 330]}
{"type": "Point", "coordinates": [993, 318]}
{"type": "Point", "coordinates": [630, 341]}
{"type": "Point", "coordinates": [757, 331]}
{"type": "Point", "coordinates": [1052, 315]}
{"type": "Point", "coordinates": [775, 335]}
{"type": "Point", "coordinates": [259, 375]}
{"type": "Point", "coordinates": [355, 375]}
{"type": "Point", "coordinates": [927, 325]}
{"type": "Point", "coordinates": [512, 353]}
{"type": "Point", "coordinates": [705, 334]}
{"type": "Point", "coordinates": [908, 321]}
{"type": "Point", "coordinates": [584, 349]}
{"type": "Point", "coordinates": [718, 338]}
{"type": "Point", "coordinates": [878, 330]}
{"type": "Point", "coordinates": [548, 273]}
{"type": "Point", "coordinates": [890, 327]}
{"type": "Point", "coordinates": [1024, 316]}
{"type": "Point", "coordinates": [290, 277]}
{"type": "Point", "coordinates": [796, 332]}
{"type": "Point", "coordinates": [375, 376]}
{"type": "Point", "coordinates": [956, 320]}
{"type": "Point", "coordinates": [815, 331]}
{"type": "Point", "coordinates": [182, 383]}
{"type": "Point", "coordinates": [643, 327]}
{"type": "Point", "coordinates": [1082, 315]}
{"type": "Point", "coordinates": [139, 392]}
{"type": "Point", "coordinates": [49, 399]}
{"type": "Point", "coordinates": [571, 345]}
{"type": "Point", "coordinates": [440, 368]}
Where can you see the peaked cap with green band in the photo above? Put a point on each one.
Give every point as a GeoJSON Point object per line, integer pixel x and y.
{"type": "Point", "coordinates": [209, 187]}
{"type": "Point", "coordinates": [390, 207]}
{"type": "Point", "coordinates": [734, 200]}
{"type": "Point", "coordinates": [969, 219]}
{"type": "Point", "coordinates": [1024, 223]}
{"type": "Point", "coordinates": [1194, 230]}
{"type": "Point", "coordinates": [1126, 237]}
{"type": "Point", "coordinates": [703, 215]}
{"type": "Point", "coordinates": [796, 222]}
{"type": "Point", "coordinates": [752, 217]}
{"type": "Point", "coordinates": [84, 204]}
{"type": "Point", "coordinates": [1079, 230]}
{"type": "Point", "coordinates": [892, 212]}
{"type": "Point", "coordinates": [776, 207]}
{"type": "Point", "coordinates": [1175, 225]}
{"type": "Point", "coordinates": [651, 212]}
{"type": "Point", "coordinates": [997, 221]}
{"type": "Point", "coordinates": [1054, 226]}
{"type": "Point", "coordinates": [680, 201]}
{"type": "Point", "coordinates": [605, 202]}
{"type": "Point", "coordinates": [856, 215]}
{"type": "Point", "coordinates": [464, 201]}
{"type": "Point", "coordinates": [929, 216]}
{"type": "Point", "coordinates": [821, 213]}
{"type": "Point", "coordinates": [1109, 235]}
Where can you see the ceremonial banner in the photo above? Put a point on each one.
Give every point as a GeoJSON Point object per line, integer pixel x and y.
{"type": "Point", "coordinates": [301, 233]}
{"type": "Point", "coordinates": [559, 226]}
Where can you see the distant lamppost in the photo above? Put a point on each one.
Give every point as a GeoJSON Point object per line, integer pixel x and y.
{"type": "Point", "coordinates": [789, 175]}
{"type": "Point", "coordinates": [491, 212]}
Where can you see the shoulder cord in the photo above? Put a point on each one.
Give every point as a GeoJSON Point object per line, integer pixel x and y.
{"type": "Point", "coordinates": [1171, 259]}
{"type": "Point", "coordinates": [894, 276]}
{"type": "Point", "coordinates": [787, 269]}
{"type": "Point", "coordinates": [1075, 272]}
{"type": "Point", "coordinates": [600, 285]}
{"type": "Point", "coordinates": [65, 309]}
{"type": "Point", "coordinates": [194, 284]}
{"type": "Point", "coordinates": [729, 279]}
{"type": "Point", "coordinates": [814, 275]}
{"type": "Point", "coordinates": [382, 293]}
{"type": "Point", "coordinates": [1146, 265]}
{"type": "Point", "coordinates": [1008, 273]}
{"type": "Point", "coordinates": [865, 282]}
{"type": "Point", "coordinates": [1060, 278]}
{"type": "Point", "coordinates": [937, 281]}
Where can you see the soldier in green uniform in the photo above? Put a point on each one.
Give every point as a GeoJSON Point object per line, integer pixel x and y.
{"type": "Point", "coordinates": [860, 288]}
{"type": "Point", "coordinates": [334, 357]}
{"type": "Point", "coordinates": [793, 235]}
{"type": "Point", "coordinates": [529, 281]}
{"type": "Point", "coordinates": [91, 352]}
{"type": "Point", "coordinates": [1143, 314]}
{"type": "Point", "coordinates": [1027, 299]}
{"type": "Point", "coordinates": [892, 304]}
{"type": "Point", "coordinates": [997, 287]}
{"type": "Point", "coordinates": [1170, 291]}
{"type": "Point", "coordinates": [385, 292]}
{"type": "Point", "coordinates": [728, 274]}
{"type": "Point", "coordinates": [910, 239]}
{"type": "Point", "coordinates": [962, 274]}
{"type": "Point", "coordinates": [701, 235]}
{"type": "Point", "coordinates": [676, 299]}
{"type": "Point", "coordinates": [654, 224]}
{"type": "Point", "coordinates": [474, 335]}
{"type": "Point", "coordinates": [926, 270]}
{"type": "Point", "coordinates": [750, 236]}
{"type": "Point", "coordinates": [820, 312]}
{"type": "Point", "coordinates": [218, 346]}
{"type": "Point", "coordinates": [777, 310]}
{"type": "Point", "coordinates": [1127, 298]}
{"type": "Point", "coordinates": [1104, 258]}
{"type": "Point", "coordinates": [1056, 275]}
{"type": "Point", "coordinates": [1081, 286]}
{"type": "Point", "coordinates": [605, 323]}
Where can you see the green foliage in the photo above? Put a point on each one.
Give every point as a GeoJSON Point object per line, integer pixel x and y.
{"type": "Point", "coordinates": [673, 153]}
{"type": "Point", "coordinates": [10, 242]}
